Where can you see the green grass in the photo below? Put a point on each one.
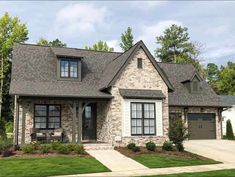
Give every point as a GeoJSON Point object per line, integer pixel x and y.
{"type": "Point", "coordinates": [161, 161]}
{"type": "Point", "coordinates": [49, 166]}
{"type": "Point", "coordinates": [219, 173]}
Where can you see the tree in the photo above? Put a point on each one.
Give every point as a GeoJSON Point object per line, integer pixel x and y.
{"type": "Point", "coordinates": [127, 39]}
{"type": "Point", "coordinates": [175, 47]}
{"type": "Point", "coordinates": [226, 79]}
{"type": "Point", "coordinates": [53, 43]}
{"type": "Point", "coordinates": [11, 31]}
{"type": "Point", "coordinates": [100, 46]}
{"type": "Point", "coordinates": [212, 74]}
{"type": "Point", "coordinates": [229, 130]}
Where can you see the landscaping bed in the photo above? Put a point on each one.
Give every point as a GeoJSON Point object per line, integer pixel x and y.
{"type": "Point", "coordinates": [160, 158]}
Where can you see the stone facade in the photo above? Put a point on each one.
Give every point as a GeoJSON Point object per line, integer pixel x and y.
{"type": "Point", "coordinates": [218, 119]}
{"type": "Point", "coordinates": [134, 78]}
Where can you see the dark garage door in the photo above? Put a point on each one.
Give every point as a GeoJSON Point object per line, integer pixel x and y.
{"type": "Point", "coordinates": [201, 126]}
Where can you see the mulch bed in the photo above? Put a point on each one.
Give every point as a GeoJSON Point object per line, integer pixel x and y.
{"type": "Point", "coordinates": [184, 155]}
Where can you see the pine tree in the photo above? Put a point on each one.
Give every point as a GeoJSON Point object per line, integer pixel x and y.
{"type": "Point", "coordinates": [127, 39]}
{"type": "Point", "coordinates": [229, 130]}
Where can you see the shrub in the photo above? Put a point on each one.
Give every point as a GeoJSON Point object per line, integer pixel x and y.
{"type": "Point", "coordinates": [136, 149]}
{"type": "Point", "coordinates": [180, 147]}
{"type": "Point", "coordinates": [72, 147]}
{"type": "Point", "coordinates": [35, 145]}
{"type": "Point", "coordinates": [79, 149]}
{"type": "Point", "coordinates": [151, 146]}
{"type": "Point", "coordinates": [3, 134]}
{"type": "Point", "coordinates": [5, 145]}
{"type": "Point", "coordinates": [45, 148]}
{"type": "Point", "coordinates": [28, 148]}
{"type": "Point", "coordinates": [63, 149]}
{"type": "Point", "coordinates": [55, 145]}
{"type": "Point", "coordinates": [131, 145]}
{"type": "Point", "coordinates": [177, 133]}
{"type": "Point", "coordinates": [229, 130]}
{"type": "Point", "coordinates": [167, 146]}
{"type": "Point", "coordinates": [9, 127]}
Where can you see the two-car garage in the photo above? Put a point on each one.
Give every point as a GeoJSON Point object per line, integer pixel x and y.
{"type": "Point", "coordinates": [201, 126]}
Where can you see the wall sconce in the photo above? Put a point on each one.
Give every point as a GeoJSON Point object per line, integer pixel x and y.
{"type": "Point", "coordinates": [202, 109]}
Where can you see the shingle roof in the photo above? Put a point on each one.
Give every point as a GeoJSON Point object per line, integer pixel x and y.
{"type": "Point", "coordinates": [34, 72]}
{"type": "Point", "coordinates": [178, 73]}
{"type": "Point", "coordinates": [228, 99]}
{"type": "Point", "coordinates": [137, 93]}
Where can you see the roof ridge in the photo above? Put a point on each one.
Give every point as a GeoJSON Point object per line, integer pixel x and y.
{"type": "Point", "coordinates": [68, 48]}
{"type": "Point", "coordinates": [174, 63]}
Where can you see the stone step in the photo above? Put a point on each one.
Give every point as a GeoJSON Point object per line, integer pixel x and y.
{"type": "Point", "coordinates": [98, 146]}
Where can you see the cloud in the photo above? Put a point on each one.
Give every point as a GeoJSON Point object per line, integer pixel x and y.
{"type": "Point", "coordinates": [149, 32]}
{"type": "Point", "coordinates": [147, 5]}
{"type": "Point", "coordinates": [79, 18]}
{"type": "Point", "coordinates": [115, 45]}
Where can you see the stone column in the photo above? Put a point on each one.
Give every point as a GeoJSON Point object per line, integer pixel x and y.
{"type": "Point", "coordinates": [79, 138]}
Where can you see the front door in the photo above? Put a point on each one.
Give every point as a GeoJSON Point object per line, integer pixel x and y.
{"type": "Point", "coordinates": [89, 122]}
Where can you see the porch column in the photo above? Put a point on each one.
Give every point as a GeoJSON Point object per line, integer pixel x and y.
{"type": "Point", "coordinates": [74, 123]}
{"type": "Point", "coordinates": [79, 138]}
{"type": "Point", "coordinates": [16, 125]}
{"type": "Point", "coordinates": [23, 127]}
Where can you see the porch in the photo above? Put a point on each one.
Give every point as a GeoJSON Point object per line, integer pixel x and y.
{"type": "Point", "coordinates": [66, 119]}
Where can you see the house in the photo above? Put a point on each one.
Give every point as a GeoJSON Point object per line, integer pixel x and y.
{"type": "Point", "coordinates": [108, 96]}
{"type": "Point", "coordinates": [229, 113]}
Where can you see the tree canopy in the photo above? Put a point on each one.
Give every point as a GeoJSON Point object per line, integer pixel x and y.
{"type": "Point", "coordinates": [100, 46]}
{"type": "Point", "coordinates": [127, 39]}
{"type": "Point", "coordinates": [11, 31]}
{"type": "Point", "coordinates": [53, 43]}
{"type": "Point", "coordinates": [175, 47]}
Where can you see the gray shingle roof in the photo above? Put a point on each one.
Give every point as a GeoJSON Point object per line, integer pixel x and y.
{"type": "Point", "coordinates": [137, 93]}
{"type": "Point", "coordinates": [34, 72]}
{"type": "Point", "coordinates": [178, 73]}
{"type": "Point", "coordinates": [228, 99]}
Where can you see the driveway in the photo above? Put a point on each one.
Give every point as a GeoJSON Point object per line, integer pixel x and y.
{"type": "Point", "coordinates": [220, 150]}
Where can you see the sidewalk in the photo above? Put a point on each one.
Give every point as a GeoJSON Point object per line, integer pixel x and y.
{"type": "Point", "coordinates": [161, 171]}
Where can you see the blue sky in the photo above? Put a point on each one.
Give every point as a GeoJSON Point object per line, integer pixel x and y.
{"type": "Point", "coordinates": [78, 24]}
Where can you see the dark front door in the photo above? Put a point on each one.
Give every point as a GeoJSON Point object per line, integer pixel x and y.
{"type": "Point", "coordinates": [89, 122]}
{"type": "Point", "coordinates": [201, 126]}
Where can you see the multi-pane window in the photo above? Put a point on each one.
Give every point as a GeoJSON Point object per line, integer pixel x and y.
{"type": "Point", "coordinates": [68, 68]}
{"type": "Point", "coordinates": [143, 119]}
{"type": "Point", "coordinates": [47, 116]}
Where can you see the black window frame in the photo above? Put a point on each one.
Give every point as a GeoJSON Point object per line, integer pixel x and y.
{"type": "Point", "coordinates": [143, 118]}
{"type": "Point", "coordinates": [140, 63]}
{"type": "Point", "coordinates": [47, 116]}
{"type": "Point", "coordinates": [69, 61]}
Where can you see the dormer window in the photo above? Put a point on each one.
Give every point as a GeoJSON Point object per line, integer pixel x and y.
{"type": "Point", "coordinates": [68, 68]}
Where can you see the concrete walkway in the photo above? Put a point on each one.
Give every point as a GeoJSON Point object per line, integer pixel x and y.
{"type": "Point", "coordinates": [115, 161]}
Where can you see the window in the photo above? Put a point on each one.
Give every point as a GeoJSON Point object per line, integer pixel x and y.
{"type": "Point", "coordinates": [143, 120]}
{"type": "Point", "coordinates": [47, 116]}
{"type": "Point", "coordinates": [68, 68]}
{"type": "Point", "coordinates": [139, 63]}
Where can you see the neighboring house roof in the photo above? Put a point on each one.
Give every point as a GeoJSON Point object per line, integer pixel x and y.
{"type": "Point", "coordinates": [115, 68]}
{"type": "Point", "coordinates": [34, 72]}
{"type": "Point", "coordinates": [137, 93]}
{"type": "Point", "coordinates": [228, 99]}
{"type": "Point", "coordinates": [178, 74]}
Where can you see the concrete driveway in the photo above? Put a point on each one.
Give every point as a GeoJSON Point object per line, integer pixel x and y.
{"type": "Point", "coordinates": [220, 150]}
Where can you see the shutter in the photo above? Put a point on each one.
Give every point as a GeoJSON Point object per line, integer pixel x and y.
{"type": "Point", "coordinates": [159, 118]}
{"type": "Point", "coordinates": [126, 120]}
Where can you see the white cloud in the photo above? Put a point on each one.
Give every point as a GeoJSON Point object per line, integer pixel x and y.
{"type": "Point", "coordinates": [149, 32]}
{"type": "Point", "coordinates": [147, 5]}
{"type": "Point", "coordinates": [79, 18]}
{"type": "Point", "coordinates": [115, 45]}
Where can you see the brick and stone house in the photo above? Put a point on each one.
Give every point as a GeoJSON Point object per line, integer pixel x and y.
{"type": "Point", "coordinates": [108, 96]}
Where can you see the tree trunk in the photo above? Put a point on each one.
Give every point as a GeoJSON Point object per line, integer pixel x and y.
{"type": "Point", "coordinates": [174, 61]}
{"type": "Point", "coordinates": [1, 85]}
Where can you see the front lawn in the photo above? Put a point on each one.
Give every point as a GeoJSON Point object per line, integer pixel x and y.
{"type": "Point", "coordinates": [161, 161]}
{"type": "Point", "coordinates": [219, 173]}
{"type": "Point", "coordinates": [49, 166]}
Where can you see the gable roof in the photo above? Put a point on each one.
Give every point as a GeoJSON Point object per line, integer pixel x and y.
{"type": "Point", "coordinates": [34, 72]}
{"type": "Point", "coordinates": [228, 99]}
{"type": "Point", "coordinates": [178, 74]}
{"type": "Point", "coordinates": [115, 68]}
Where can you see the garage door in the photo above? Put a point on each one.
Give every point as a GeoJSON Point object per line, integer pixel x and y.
{"type": "Point", "coordinates": [201, 126]}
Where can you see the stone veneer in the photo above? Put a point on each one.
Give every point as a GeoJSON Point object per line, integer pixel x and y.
{"type": "Point", "coordinates": [134, 78]}
{"type": "Point", "coordinates": [175, 109]}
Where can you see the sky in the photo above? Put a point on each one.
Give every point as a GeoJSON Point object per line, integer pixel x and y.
{"type": "Point", "coordinates": [81, 23]}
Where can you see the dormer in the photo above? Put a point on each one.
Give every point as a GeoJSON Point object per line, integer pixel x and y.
{"type": "Point", "coordinates": [193, 84]}
{"type": "Point", "coordinates": [69, 68]}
